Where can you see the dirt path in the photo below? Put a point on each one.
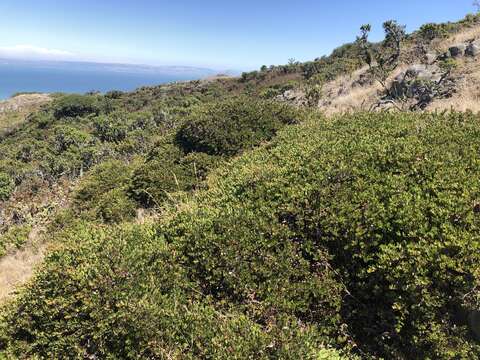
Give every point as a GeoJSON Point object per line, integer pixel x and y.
{"type": "Point", "coordinates": [18, 267]}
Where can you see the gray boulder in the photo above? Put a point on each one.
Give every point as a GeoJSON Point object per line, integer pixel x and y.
{"type": "Point", "coordinates": [421, 72]}
{"type": "Point", "coordinates": [407, 83]}
{"type": "Point", "coordinates": [294, 96]}
{"type": "Point", "coordinates": [457, 50]}
{"type": "Point", "coordinates": [473, 49]}
{"type": "Point", "coordinates": [430, 58]}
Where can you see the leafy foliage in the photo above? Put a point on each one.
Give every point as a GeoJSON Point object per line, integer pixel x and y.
{"type": "Point", "coordinates": [114, 289]}
{"type": "Point", "coordinates": [6, 186]}
{"type": "Point", "coordinates": [104, 192]}
{"type": "Point", "coordinates": [360, 231]}
{"type": "Point", "coordinates": [75, 105]}
{"type": "Point", "coordinates": [354, 235]}
{"type": "Point", "coordinates": [432, 31]}
{"type": "Point", "coordinates": [15, 237]}
{"type": "Point", "coordinates": [383, 59]}
{"type": "Point", "coordinates": [233, 125]}
{"type": "Point", "coordinates": [166, 171]}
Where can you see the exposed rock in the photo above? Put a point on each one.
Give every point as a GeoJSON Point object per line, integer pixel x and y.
{"type": "Point", "coordinates": [294, 96]}
{"type": "Point", "coordinates": [430, 58]}
{"type": "Point", "coordinates": [421, 72]}
{"type": "Point", "coordinates": [421, 84]}
{"type": "Point", "coordinates": [457, 50]}
{"type": "Point", "coordinates": [473, 49]}
{"type": "Point", "coordinates": [290, 95]}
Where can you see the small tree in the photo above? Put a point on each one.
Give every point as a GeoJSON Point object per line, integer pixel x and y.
{"type": "Point", "coordinates": [382, 59]}
{"type": "Point", "coordinates": [432, 31]}
{"type": "Point", "coordinates": [364, 45]}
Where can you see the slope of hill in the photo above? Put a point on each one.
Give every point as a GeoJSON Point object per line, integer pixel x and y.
{"type": "Point", "coordinates": [15, 110]}
{"type": "Point", "coordinates": [304, 211]}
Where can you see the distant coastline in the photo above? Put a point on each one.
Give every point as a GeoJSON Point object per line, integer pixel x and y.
{"type": "Point", "coordinates": [22, 76]}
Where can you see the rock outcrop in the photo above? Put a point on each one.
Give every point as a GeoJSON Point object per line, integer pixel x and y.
{"type": "Point", "coordinates": [420, 84]}
{"type": "Point", "coordinates": [470, 48]}
{"type": "Point", "coordinates": [473, 49]}
{"type": "Point", "coordinates": [457, 50]}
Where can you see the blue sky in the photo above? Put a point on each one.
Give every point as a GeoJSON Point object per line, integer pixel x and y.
{"type": "Point", "coordinates": [222, 34]}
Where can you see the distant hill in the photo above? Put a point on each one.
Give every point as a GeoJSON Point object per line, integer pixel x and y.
{"type": "Point", "coordinates": [81, 77]}
{"type": "Point", "coordinates": [113, 67]}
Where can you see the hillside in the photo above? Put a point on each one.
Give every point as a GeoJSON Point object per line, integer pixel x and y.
{"type": "Point", "coordinates": [319, 210]}
{"type": "Point", "coordinates": [14, 110]}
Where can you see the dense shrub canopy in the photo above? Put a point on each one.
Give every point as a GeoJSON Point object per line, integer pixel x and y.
{"type": "Point", "coordinates": [360, 231]}
{"type": "Point", "coordinates": [227, 127]}
{"type": "Point", "coordinates": [75, 105]}
{"type": "Point", "coordinates": [104, 192]}
{"type": "Point", "coordinates": [6, 186]}
{"type": "Point", "coordinates": [391, 200]}
{"type": "Point", "coordinates": [120, 294]}
{"type": "Point", "coordinates": [190, 221]}
{"type": "Point", "coordinates": [168, 170]}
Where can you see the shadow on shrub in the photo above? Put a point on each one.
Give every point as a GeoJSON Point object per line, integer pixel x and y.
{"type": "Point", "coordinates": [227, 127]}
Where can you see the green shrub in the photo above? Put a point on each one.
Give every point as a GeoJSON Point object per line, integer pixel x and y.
{"type": "Point", "coordinates": [42, 119]}
{"type": "Point", "coordinates": [117, 126]}
{"type": "Point", "coordinates": [200, 165]}
{"type": "Point", "coordinates": [359, 231]}
{"type": "Point", "coordinates": [66, 137]}
{"type": "Point", "coordinates": [75, 106]}
{"type": "Point", "coordinates": [160, 175]}
{"type": "Point", "coordinates": [114, 94]}
{"type": "Point", "coordinates": [111, 128]}
{"type": "Point", "coordinates": [119, 293]}
{"type": "Point", "coordinates": [6, 186]}
{"type": "Point", "coordinates": [432, 31]}
{"type": "Point", "coordinates": [16, 236]}
{"type": "Point", "coordinates": [389, 202]}
{"type": "Point", "coordinates": [230, 126]}
{"type": "Point", "coordinates": [115, 206]}
{"type": "Point", "coordinates": [102, 193]}
{"type": "Point", "coordinates": [168, 170]}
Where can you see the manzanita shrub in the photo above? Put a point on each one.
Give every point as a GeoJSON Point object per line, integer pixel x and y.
{"type": "Point", "coordinates": [359, 232]}
{"type": "Point", "coordinates": [6, 186]}
{"type": "Point", "coordinates": [121, 293]}
{"type": "Point", "coordinates": [229, 126]}
{"type": "Point", "coordinates": [71, 106]}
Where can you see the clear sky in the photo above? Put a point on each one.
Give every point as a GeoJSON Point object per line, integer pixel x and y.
{"type": "Point", "coordinates": [222, 34]}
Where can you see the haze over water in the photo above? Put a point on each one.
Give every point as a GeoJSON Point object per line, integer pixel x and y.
{"type": "Point", "coordinates": [75, 77]}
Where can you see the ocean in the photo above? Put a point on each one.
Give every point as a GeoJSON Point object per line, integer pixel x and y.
{"type": "Point", "coordinates": [77, 77]}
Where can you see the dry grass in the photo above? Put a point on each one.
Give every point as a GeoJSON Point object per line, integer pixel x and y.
{"type": "Point", "coordinates": [14, 110]}
{"type": "Point", "coordinates": [467, 96]}
{"type": "Point", "coordinates": [18, 267]}
{"type": "Point", "coordinates": [461, 37]}
{"type": "Point", "coordinates": [342, 95]}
